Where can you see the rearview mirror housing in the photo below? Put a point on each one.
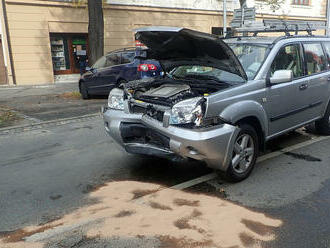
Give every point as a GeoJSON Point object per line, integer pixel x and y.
{"type": "Point", "coordinates": [281, 76]}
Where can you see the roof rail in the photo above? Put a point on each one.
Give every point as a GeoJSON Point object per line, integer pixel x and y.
{"type": "Point", "coordinates": [286, 26]}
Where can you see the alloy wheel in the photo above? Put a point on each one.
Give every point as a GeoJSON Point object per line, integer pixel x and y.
{"type": "Point", "coordinates": [243, 153]}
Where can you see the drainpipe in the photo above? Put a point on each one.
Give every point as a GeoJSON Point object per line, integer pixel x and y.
{"type": "Point", "coordinates": [4, 9]}
{"type": "Point", "coordinates": [225, 17]}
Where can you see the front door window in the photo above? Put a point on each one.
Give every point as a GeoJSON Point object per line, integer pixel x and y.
{"type": "Point", "coordinates": [288, 58]}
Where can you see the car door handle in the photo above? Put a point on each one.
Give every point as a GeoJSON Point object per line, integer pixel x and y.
{"type": "Point", "coordinates": [303, 87]}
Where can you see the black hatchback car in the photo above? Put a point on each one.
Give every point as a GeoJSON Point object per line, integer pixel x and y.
{"type": "Point", "coordinates": [115, 68]}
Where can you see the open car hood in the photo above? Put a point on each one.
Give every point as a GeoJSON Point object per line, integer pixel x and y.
{"type": "Point", "coordinates": [173, 47]}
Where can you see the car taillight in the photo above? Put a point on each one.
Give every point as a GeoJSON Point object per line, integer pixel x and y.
{"type": "Point", "coordinates": [147, 67]}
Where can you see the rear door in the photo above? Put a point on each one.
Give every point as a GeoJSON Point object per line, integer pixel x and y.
{"type": "Point", "coordinates": [107, 77]}
{"type": "Point", "coordinates": [286, 102]}
{"type": "Point", "coordinates": [316, 69]}
{"type": "Point", "coordinates": [128, 66]}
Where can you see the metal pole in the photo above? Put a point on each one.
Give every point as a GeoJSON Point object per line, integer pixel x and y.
{"type": "Point", "coordinates": [327, 32]}
{"type": "Point", "coordinates": [225, 17]}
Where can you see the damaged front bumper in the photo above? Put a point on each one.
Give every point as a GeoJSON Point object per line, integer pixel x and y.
{"type": "Point", "coordinates": [141, 134]}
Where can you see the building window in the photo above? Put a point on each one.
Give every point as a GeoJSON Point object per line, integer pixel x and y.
{"type": "Point", "coordinates": [301, 2]}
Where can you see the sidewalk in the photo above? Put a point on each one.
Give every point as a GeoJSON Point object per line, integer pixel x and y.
{"type": "Point", "coordinates": [35, 104]}
{"type": "Point", "coordinates": [8, 92]}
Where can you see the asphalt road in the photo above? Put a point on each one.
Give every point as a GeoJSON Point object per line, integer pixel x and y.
{"type": "Point", "coordinates": [49, 172]}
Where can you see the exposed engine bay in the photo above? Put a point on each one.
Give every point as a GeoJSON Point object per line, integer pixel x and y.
{"type": "Point", "coordinates": [167, 91]}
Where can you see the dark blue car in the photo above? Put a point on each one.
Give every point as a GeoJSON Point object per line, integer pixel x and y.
{"type": "Point", "coordinates": [115, 68]}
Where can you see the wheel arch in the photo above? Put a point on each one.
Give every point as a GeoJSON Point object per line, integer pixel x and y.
{"type": "Point", "coordinates": [249, 112]}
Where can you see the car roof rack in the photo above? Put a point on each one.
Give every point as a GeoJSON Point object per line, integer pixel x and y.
{"type": "Point", "coordinates": [122, 50]}
{"type": "Point", "coordinates": [276, 25]}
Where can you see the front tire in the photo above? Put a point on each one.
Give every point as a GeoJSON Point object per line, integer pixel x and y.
{"type": "Point", "coordinates": [322, 126]}
{"type": "Point", "coordinates": [245, 153]}
{"type": "Point", "coordinates": [83, 91]}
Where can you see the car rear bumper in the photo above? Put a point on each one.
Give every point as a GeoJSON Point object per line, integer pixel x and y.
{"type": "Point", "coordinates": [212, 145]}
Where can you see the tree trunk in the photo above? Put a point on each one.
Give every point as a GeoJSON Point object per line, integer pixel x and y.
{"type": "Point", "coordinates": [242, 3]}
{"type": "Point", "coordinates": [95, 30]}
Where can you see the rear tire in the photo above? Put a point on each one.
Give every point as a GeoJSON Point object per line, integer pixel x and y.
{"type": "Point", "coordinates": [245, 153]}
{"type": "Point", "coordinates": [322, 126]}
{"type": "Point", "coordinates": [83, 91]}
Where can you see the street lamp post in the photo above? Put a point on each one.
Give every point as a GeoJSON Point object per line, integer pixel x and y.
{"type": "Point", "coordinates": [225, 17]}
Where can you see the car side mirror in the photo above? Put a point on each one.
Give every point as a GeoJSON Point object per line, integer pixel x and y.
{"type": "Point", "coordinates": [281, 76]}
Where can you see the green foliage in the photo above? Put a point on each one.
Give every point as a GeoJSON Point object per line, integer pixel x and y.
{"type": "Point", "coordinates": [274, 4]}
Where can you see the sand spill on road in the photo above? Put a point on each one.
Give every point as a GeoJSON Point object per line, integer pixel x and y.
{"type": "Point", "coordinates": [176, 218]}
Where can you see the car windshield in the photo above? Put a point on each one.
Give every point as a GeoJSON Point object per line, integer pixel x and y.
{"type": "Point", "coordinates": [251, 56]}
{"type": "Point", "coordinates": [206, 73]}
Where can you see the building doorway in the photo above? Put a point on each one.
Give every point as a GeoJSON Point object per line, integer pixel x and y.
{"type": "Point", "coordinates": [3, 70]}
{"type": "Point", "coordinates": [68, 50]}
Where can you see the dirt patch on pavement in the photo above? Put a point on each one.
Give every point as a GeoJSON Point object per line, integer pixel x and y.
{"type": "Point", "coordinates": [157, 205]}
{"type": "Point", "coordinates": [140, 193]}
{"type": "Point", "coordinates": [185, 202]}
{"type": "Point", "coordinates": [214, 222]}
{"type": "Point", "coordinates": [70, 95]}
{"type": "Point", "coordinates": [124, 213]}
{"type": "Point", "coordinates": [8, 118]}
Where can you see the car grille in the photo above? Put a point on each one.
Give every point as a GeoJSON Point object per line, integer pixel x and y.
{"type": "Point", "coordinates": [138, 133]}
{"type": "Point", "coordinates": [150, 111]}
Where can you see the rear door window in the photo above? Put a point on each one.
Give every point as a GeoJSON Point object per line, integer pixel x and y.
{"type": "Point", "coordinates": [327, 50]}
{"type": "Point", "coordinates": [113, 59]}
{"type": "Point", "coordinates": [288, 58]}
{"type": "Point", "coordinates": [127, 57]}
{"type": "Point", "coordinates": [314, 57]}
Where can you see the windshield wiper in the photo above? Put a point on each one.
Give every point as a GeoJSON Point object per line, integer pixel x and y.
{"type": "Point", "coordinates": [203, 77]}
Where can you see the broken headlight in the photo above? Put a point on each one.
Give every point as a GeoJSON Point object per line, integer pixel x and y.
{"type": "Point", "coordinates": [116, 99]}
{"type": "Point", "coordinates": [187, 111]}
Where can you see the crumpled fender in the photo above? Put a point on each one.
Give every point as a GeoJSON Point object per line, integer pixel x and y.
{"type": "Point", "coordinates": [240, 110]}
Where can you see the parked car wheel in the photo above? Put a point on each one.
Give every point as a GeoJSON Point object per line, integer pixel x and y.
{"type": "Point", "coordinates": [323, 126]}
{"type": "Point", "coordinates": [246, 149]}
{"type": "Point", "coordinates": [83, 91]}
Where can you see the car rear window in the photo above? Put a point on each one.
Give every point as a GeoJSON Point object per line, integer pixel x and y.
{"type": "Point", "coordinates": [315, 59]}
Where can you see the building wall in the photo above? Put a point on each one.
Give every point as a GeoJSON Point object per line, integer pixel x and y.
{"type": "Point", "coordinates": [31, 22]}
{"type": "Point", "coordinates": [29, 28]}
{"type": "Point", "coordinates": [3, 71]}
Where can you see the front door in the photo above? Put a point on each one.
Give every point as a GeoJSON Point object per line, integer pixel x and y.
{"type": "Point", "coordinates": [69, 53]}
{"type": "Point", "coordinates": [286, 102]}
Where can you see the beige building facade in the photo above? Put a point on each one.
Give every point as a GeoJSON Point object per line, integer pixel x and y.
{"type": "Point", "coordinates": [45, 38]}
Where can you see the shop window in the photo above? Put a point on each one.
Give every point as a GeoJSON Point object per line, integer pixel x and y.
{"type": "Point", "coordinates": [69, 52]}
{"type": "Point", "coordinates": [59, 49]}
{"type": "Point", "coordinates": [315, 59]}
{"type": "Point", "coordinates": [219, 30]}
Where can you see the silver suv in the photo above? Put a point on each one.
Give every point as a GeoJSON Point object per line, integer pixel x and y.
{"type": "Point", "coordinates": [221, 100]}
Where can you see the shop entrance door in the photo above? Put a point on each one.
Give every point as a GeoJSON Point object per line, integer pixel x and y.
{"type": "Point", "coordinates": [68, 50]}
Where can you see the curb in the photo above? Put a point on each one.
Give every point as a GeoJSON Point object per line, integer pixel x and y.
{"type": "Point", "coordinates": [39, 125]}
